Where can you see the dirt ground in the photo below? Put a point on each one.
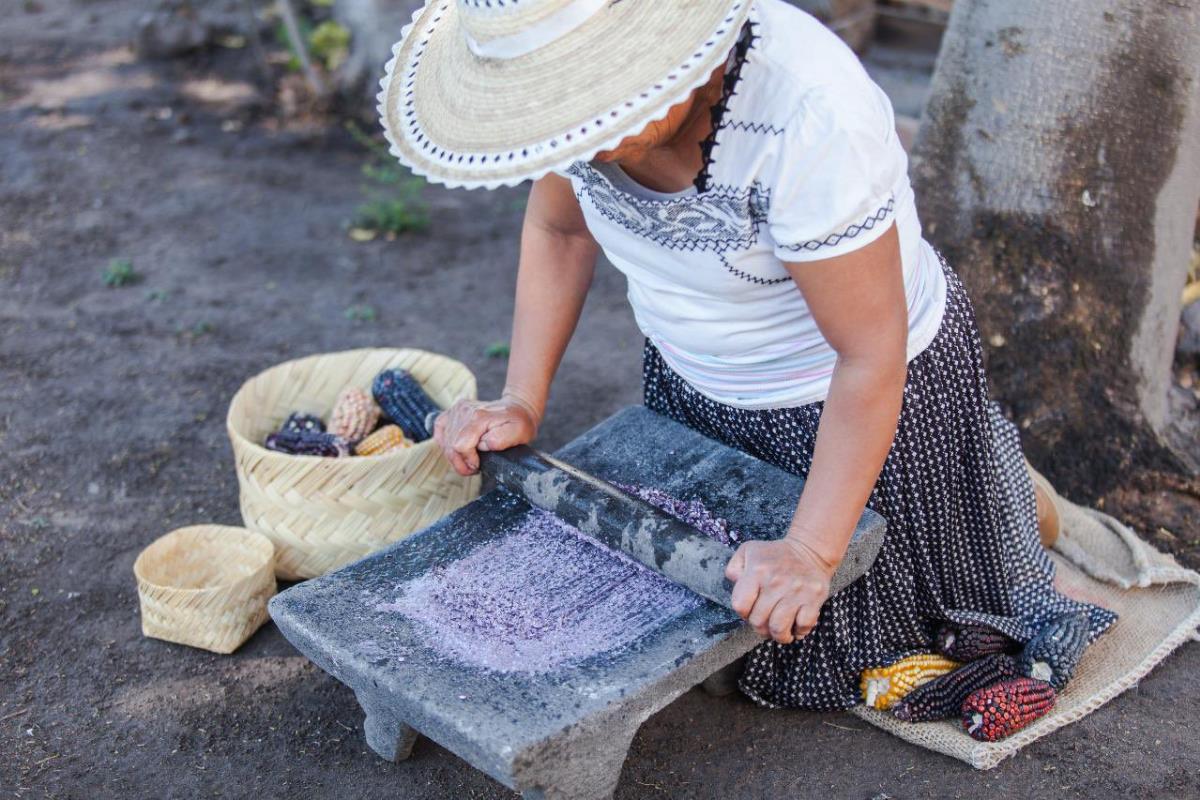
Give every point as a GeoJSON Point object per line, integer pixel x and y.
{"type": "Point", "coordinates": [112, 404]}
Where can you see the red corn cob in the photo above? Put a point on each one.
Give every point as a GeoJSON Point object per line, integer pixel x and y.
{"type": "Point", "coordinates": [943, 697]}
{"type": "Point", "coordinates": [1000, 710]}
{"type": "Point", "coordinates": [972, 642]}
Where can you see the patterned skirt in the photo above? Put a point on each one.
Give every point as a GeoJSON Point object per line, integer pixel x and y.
{"type": "Point", "coordinates": [962, 541]}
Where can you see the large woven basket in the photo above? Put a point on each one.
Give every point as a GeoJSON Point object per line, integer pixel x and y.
{"type": "Point", "coordinates": [322, 513]}
{"type": "Point", "coordinates": [206, 586]}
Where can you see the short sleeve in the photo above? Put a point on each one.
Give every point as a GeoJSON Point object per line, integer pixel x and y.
{"type": "Point", "coordinates": [833, 177]}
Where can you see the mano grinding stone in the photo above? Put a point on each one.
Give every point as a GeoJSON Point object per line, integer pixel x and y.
{"type": "Point", "coordinates": [559, 728]}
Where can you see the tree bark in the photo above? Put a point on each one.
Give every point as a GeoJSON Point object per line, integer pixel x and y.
{"type": "Point", "coordinates": [374, 27]}
{"type": "Point", "coordinates": [1058, 168]}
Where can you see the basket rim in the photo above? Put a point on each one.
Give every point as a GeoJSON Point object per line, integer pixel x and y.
{"type": "Point", "coordinates": [261, 540]}
{"type": "Point", "coordinates": [240, 440]}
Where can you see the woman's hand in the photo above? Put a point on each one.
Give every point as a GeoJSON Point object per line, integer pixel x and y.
{"type": "Point", "coordinates": [779, 587]}
{"type": "Point", "coordinates": [470, 426]}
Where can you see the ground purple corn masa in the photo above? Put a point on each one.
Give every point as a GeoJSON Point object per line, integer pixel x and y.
{"type": "Point", "coordinates": [546, 595]}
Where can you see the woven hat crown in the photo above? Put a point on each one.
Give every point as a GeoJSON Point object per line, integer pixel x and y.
{"type": "Point", "coordinates": [493, 92]}
{"type": "Point", "coordinates": [506, 29]}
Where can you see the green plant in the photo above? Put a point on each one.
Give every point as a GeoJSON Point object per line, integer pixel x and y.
{"type": "Point", "coordinates": [360, 312]}
{"type": "Point", "coordinates": [497, 350]}
{"type": "Point", "coordinates": [330, 43]}
{"type": "Point", "coordinates": [396, 201]}
{"type": "Point", "coordinates": [120, 272]}
{"type": "Point", "coordinates": [394, 215]}
{"type": "Point", "coordinates": [305, 26]}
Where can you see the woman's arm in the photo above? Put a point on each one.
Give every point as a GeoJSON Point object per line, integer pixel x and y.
{"type": "Point", "coordinates": [558, 258]}
{"type": "Point", "coordinates": [859, 305]}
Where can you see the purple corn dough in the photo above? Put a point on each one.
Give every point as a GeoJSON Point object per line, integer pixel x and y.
{"type": "Point", "coordinates": [547, 595]}
{"type": "Point", "coordinates": [693, 512]}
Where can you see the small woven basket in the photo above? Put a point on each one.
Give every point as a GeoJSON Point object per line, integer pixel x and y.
{"type": "Point", "coordinates": [322, 513]}
{"type": "Point", "coordinates": [206, 586]}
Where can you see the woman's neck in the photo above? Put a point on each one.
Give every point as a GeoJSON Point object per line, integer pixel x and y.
{"type": "Point", "coordinates": [672, 166]}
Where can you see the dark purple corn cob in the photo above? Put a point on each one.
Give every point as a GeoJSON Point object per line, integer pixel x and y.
{"type": "Point", "coordinates": [943, 697]}
{"type": "Point", "coordinates": [404, 402]}
{"type": "Point", "coordinates": [972, 642]}
{"type": "Point", "coordinates": [299, 423]}
{"type": "Point", "coordinates": [308, 443]}
{"type": "Point", "coordinates": [1054, 651]}
{"type": "Point", "coordinates": [1000, 710]}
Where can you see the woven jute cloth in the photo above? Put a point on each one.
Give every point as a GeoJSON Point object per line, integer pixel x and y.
{"type": "Point", "coordinates": [1100, 561]}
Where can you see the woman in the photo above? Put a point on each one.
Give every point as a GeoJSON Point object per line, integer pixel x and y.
{"type": "Point", "coordinates": [735, 162]}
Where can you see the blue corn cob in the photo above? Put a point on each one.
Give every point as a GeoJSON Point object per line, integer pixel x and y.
{"type": "Point", "coordinates": [1054, 651]}
{"type": "Point", "coordinates": [404, 402]}
{"type": "Point", "coordinates": [308, 443]}
{"type": "Point", "coordinates": [298, 422]}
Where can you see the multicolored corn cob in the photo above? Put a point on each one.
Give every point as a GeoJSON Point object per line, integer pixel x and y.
{"type": "Point", "coordinates": [972, 642]}
{"type": "Point", "coordinates": [404, 402]}
{"type": "Point", "coordinates": [1054, 651]}
{"type": "Point", "coordinates": [882, 687]}
{"type": "Point", "coordinates": [298, 422]}
{"type": "Point", "coordinates": [943, 697]}
{"type": "Point", "coordinates": [354, 414]}
{"type": "Point", "coordinates": [308, 443]}
{"type": "Point", "coordinates": [389, 437]}
{"type": "Point", "coordinates": [1002, 709]}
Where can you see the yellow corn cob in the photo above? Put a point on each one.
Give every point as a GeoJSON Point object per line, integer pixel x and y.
{"type": "Point", "coordinates": [389, 437]}
{"type": "Point", "coordinates": [883, 687]}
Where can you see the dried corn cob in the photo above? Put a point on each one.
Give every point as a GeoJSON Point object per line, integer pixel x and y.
{"type": "Point", "coordinates": [389, 437]}
{"type": "Point", "coordinates": [1054, 651]}
{"type": "Point", "coordinates": [354, 414]}
{"type": "Point", "coordinates": [297, 422]}
{"type": "Point", "coordinates": [1000, 710]}
{"type": "Point", "coordinates": [308, 443]}
{"type": "Point", "coordinates": [404, 402]}
{"type": "Point", "coordinates": [882, 687]}
{"type": "Point", "coordinates": [943, 697]}
{"type": "Point", "coordinates": [972, 642]}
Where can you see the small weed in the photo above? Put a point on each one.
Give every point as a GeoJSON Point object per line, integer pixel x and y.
{"type": "Point", "coordinates": [157, 295]}
{"type": "Point", "coordinates": [282, 38]}
{"type": "Point", "coordinates": [394, 216]}
{"type": "Point", "coordinates": [396, 201]}
{"type": "Point", "coordinates": [202, 328]}
{"type": "Point", "coordinates": [39, 523]}
{"type": "Point", "coordinates": [497, 350]}
{"type": "Point", "coordinates": [360, 312]}
{"type": "Point", "coordinates": [330, 43]}
{"type": "Point", "coordinates": [120, 272]}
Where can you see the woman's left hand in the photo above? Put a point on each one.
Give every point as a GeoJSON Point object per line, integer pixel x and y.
{"type": "Point", "coordinates": [779, 587]}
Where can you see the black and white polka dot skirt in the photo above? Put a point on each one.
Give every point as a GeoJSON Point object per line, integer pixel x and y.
{"type": "Point", "coordinates": [962, 541]}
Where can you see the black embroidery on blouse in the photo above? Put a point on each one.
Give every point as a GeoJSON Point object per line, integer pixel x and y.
{"type": "Point", "coordinates": [833, 239]}
{"type": "Point", "coordinates": [725, 218]}
{"type": "Point", "coordinates": [753, 127]}
{"type": "Point", "coordinates": [746, 276]}
{"type": "Point", "coordinates": [728, 89]}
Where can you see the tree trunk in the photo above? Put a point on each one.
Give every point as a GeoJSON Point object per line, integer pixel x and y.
{"type": "Point", "coordinates": [1058, 168]}
{"type": "Point", "coordinates": [374, 27]}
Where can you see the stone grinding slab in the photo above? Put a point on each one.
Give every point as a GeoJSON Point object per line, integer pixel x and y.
{"type": "Point", "coordinates": [555, 723]}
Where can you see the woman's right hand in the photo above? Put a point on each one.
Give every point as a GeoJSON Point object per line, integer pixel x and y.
{"type": "Point", "coordinates": [470, 426]}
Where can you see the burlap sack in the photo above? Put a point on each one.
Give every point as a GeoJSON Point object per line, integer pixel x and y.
{"type": "Point", "coordinates": [1101, 561]}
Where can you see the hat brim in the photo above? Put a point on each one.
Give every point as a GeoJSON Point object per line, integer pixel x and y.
{"type": "Point", "coordinates": [467, 121]}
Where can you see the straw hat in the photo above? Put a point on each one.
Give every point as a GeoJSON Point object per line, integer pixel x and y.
{"type": "Point", "coordinates": [487, 93]}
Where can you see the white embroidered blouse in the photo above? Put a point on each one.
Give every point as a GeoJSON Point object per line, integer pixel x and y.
{"type": "Point", "coordinates": [803, 164]}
